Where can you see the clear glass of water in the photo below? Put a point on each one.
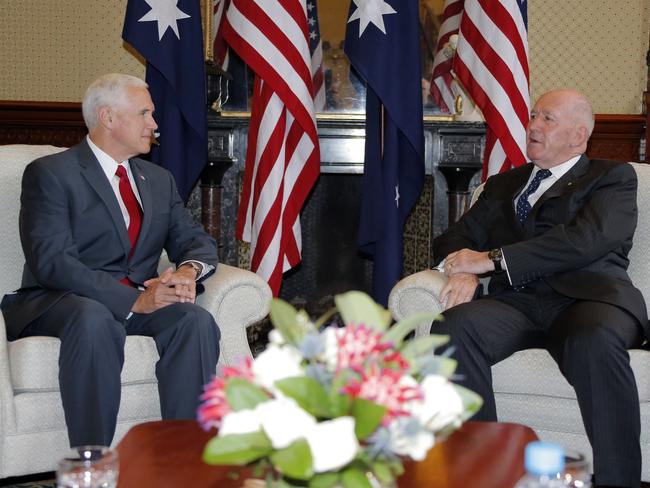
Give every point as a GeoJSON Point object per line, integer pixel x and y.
{"type": "Point", "coordinates": [576, 470]}
{"type": "Point", "coordinates": [88, 467]}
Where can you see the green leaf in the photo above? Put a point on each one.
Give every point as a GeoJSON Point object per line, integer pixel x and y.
{"type": "Point", "coordinates": [243, 395]}
{"type": "Point", "coordinates": [358, 308]}
{"type": "Point", "coordinates": [325, 317]}
{"type": "Point", "coordinates": [401, 329]}
{"type": "Point", "coordinates": [294, 461]}
{"type": "Point", "coordinates": [324, 480]}
{"type": "Point", "coordinates": [367, 417]}
{"type": "Point", "coordinates": [383, 473]}
{"type": "Point", "coordinates": [339, 402]}
{"type": "Point", "coordinates": [290, 323]}
{"type": "Point", "coordinates": [423, 345]}
{"type": "Point", "coordinates": [355, 478]}
{"type": "Point", "coordinates": [471, 401]}
{"type": "Point", "coordinates": [308, 393]}
{"type": "Point", "coordinates": [439, 365]}
{"type": "Point", "coordinates": [237, 449]}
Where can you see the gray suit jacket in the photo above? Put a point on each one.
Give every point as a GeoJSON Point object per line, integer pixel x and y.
{"type": "Point", "coordinates": [576, 238]}
{"type": "Point", "coordinates": [75, 239]}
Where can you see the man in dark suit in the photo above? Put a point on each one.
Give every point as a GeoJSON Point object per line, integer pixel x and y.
{"type": "Point", "coordinates": [93, 223]}
{"type": "Point", "coordinates": [555, 236]}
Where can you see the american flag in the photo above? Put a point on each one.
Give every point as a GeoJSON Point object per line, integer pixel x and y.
{"type": "Point", "coordinates": [316, 51]}
{"type": "Point", "coordinates": [442, 77]}
{"type": "Point", "coordinates": [491, 63]}
{"type": "Point", "coordinates": [283, 157]}
{"type": "Point", "coordinates": [221, 52]}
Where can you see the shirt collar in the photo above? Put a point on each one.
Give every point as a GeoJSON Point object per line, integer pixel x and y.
{"type": "Point", "coordinates": [108, 164]}
{"type": "Point", "coordinates": [561, 169]}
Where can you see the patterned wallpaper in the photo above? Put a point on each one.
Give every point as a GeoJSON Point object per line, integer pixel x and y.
{"type": "Point", "coordinates": [597, 47]}
{"type": "Point", "coordinates": [52, 49]}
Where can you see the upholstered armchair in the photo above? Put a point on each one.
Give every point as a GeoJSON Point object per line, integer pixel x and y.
{"type": "Point", "coordinates": [33, 434]}
{"type": "Point", "coordinates": [528, 386]}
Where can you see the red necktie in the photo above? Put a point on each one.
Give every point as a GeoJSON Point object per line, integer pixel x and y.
{"type": "Point", "coordinates": [133, 207]}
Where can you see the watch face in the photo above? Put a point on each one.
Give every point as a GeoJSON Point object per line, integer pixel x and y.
{"type": "Point", "coordinates": [495, 255]}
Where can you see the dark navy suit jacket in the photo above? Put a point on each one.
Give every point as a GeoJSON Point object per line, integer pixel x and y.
{"type": "Point", "coordinates": [577, 236]}
{"type": "Point", "coordinates": [75, 239]}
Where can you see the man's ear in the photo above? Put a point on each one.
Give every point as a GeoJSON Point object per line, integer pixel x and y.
{"type": "Point", "coordinates": [105, 117]}
{"type": "Point", "coordinates": [580, 136]}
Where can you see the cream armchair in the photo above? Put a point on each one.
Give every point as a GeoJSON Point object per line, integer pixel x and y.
{"type": "Point", "coordinates": [33, 434]}
{"type": "Point", "coordinates": [528, 386]}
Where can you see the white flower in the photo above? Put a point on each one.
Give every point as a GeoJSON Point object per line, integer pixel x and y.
{"type": "Point", "coordinates": [277, 363]}
{"type": "Point", "coordinates": [283, 421]}
{"type": "Point", "coordinates": [330, 356]}
{"type": "Point", "coordinates": [275, 337]}
{"type": "Point", "coordinates": [242, 422]}
{"type": "Point", "coordinates": [441, 406]}
{"type": "Point", "coordinates": [333, 444]}
{"type": "Point", "coordinates": [409, 438]}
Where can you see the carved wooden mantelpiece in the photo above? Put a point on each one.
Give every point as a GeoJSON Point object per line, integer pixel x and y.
{"type": "Point", "coordinates": [55, 123]}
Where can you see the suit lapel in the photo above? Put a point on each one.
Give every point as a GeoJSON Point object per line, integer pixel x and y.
{"type": "Point", "coordinates": [144, 189]}
{"type": "Point", "coordinates": [562, 185]}
{"type": "Point", "coordinates": [93, 173]}
{"type": "Point", "coordinates": [513, 186]}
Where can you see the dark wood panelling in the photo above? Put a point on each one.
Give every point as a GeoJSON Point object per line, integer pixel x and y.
{"type": "Point", "coordinates": [56, 123]}
{"type": "Point", "coordinates": [617, 137]}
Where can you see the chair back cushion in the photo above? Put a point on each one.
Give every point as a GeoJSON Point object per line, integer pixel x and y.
{"type": "Point", "coordinates": [13, 159]}
{"type": "Point", "coordinates": [639, 269]}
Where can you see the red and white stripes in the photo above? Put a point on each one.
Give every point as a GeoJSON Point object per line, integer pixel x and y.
{"type": "Point", "coordinates": [282, 159]}
{"type": "Point", "coordinates": [441, 77]}
{"type": "Point", "coordinates": [492, 64]}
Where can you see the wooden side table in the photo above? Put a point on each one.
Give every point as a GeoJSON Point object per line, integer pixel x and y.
{"type": "Point", "coordinates": [168, 454]}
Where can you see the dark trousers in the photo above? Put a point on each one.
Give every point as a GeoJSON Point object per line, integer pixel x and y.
{"type": "Point", "coordinates": [92, 355]}
{"type": "Point", "coordinates": [589, 342]}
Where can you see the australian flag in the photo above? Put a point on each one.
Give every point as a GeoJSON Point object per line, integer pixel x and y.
{"type": "Point", "coordinates": [167, 33]}
{"type": "Point", "coordinates": [383, 45]}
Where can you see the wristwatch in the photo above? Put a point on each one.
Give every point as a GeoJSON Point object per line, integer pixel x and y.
{"type": "Point", "coordinates": [196, 267]}
{"type": "Point", "coordinates": [496, 256]}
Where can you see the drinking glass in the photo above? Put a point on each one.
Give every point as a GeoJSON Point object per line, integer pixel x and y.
{"type": "Point", "coordinates": [88, 467]}
{"type": "Point", "coordinates": [576, 470]}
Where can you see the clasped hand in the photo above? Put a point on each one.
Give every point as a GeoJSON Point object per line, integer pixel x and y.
{"type": "Point", "coordinates": [170, 287]}
{"type": "Point", "coordinates": [463, 267]}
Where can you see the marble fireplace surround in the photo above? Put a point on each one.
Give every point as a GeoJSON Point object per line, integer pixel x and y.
{"type": "Point", "coordinates": [331, 262]}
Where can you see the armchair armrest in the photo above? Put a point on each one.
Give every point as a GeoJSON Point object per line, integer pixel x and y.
{"type": "Point", "coordinates": [418, 292]}
{"type": "Point", "coordinates": [236, 298]}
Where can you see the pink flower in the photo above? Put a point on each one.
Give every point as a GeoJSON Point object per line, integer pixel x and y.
{"type": "Point", "coordinates": [357, 345]}
{"type": "Point", "coordinates": [384, 386]}
{"type": "Point", "coordinates": [215, 404]}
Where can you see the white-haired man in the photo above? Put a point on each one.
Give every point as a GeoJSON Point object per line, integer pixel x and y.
{"type": "Point", "coordinates": [93, 222]}
{"type": "Point", "coordinates": [555, 234]}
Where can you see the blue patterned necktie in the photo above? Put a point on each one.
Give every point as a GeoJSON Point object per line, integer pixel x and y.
{"type": "Point", "coordinates": [523, 205]}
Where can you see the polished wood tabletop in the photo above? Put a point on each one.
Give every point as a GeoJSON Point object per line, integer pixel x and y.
{"type": "Point", "coordinates": [168, 454]}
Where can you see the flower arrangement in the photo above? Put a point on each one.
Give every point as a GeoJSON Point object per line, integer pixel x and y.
{"type": "Point", "coordinates": [324, 408]}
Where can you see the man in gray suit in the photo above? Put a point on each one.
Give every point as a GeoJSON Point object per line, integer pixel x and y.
{"type": "Point", "coordinates": [93, 223]}
{"type": "Point", "coordinates": [555, 235]}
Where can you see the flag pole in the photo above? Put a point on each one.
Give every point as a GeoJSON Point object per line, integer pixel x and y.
{"type": "Point", "coordinates": [207, 10]}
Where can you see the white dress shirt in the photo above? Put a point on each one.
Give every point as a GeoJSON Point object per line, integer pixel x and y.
{"type": "Point", "coordinates": [109, 166]}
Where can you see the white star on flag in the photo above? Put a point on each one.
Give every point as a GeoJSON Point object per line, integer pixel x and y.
{"type": "Point", "coordinates": [166, 13]}
{"type": "Point", "coordinates": [371, 11]}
